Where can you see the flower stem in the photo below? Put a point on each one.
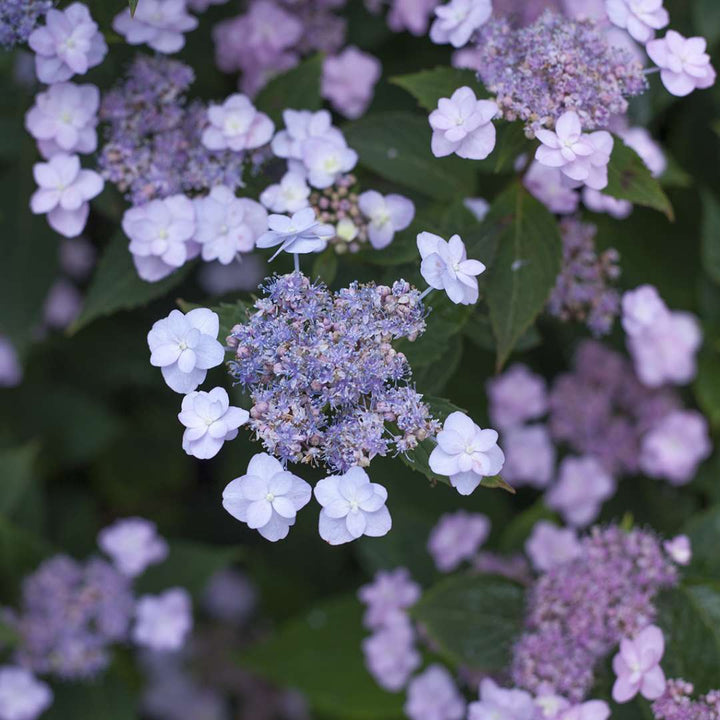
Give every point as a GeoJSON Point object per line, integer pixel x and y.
{"type": "Point", "coordinates": [296, 259]}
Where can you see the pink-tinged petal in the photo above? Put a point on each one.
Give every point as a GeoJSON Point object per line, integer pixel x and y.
{"type": "Point", "coordinates": [653, 683]}
{"type": "Point", "coordinates": [465, 482]}
{"type": "Point", "coordinates": [623, 690]}
{"type": "Point", "coordinates": [658, 52]}
{"type": "Point", "coordinates": [651, 643]}
{"type": "Point", "coordinates": [378, 523]}
{"type": "Point", "coordinates": [333, 530]}
{"type": "Point", "coordinates": [678, 84]}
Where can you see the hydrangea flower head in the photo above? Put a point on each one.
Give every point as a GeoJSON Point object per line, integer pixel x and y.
{"type": "Point", "coordinates": [70, 43]}
{"type": "Point", "coordinates": [237, 125]}
{"type": "Point", "coordinates": [466, 453]}
{"type": "Point", "coordinates": [352, 506]}
{"type": "Point", "coordinates": [301, 233]}
{"type": "Point", "coordinates": [210, 422]}
{"type": "Point", "coordinates": [457, 537]}
{"type": "Point", "coordinates": [227, 225]}
{"type": "Point", "coordinates": [63, 119]}
{"type": "Point", "coordinates": [582, 486]}
{"type": "Point", "coordinates": [675, 447]}
{"type": "Point", "coordinates": [462, 124]}
{"type": "Point", "coordinates": [160, 24]}
{"type": "Point", "coordinates": [133, 544]}
{"type": "Point", "coordinates": [22, 695]}
{"type": "Point", "coordinates": [18, 18]}
{"type": "Point", "coordinates": [391, 591]}
{"type": "Point", "coordinates": [348, 81]}
{"type": "Point", "coordinates": [161, 236]}
{"type": "Point", "coordinates": [433, 695]}
{"type": "Point", "coordinates": [639, 17]}
{"type": "Point", "coordinates": [64, 189]}
{"type": "Point", "coordinates": [386, 216]}
{"type": "Point", "coordinates": [456, 22]}
{"type": "Point", "coordinates": [549, 545]}
{"type": "Point", "coordinates": [163, 622]}
{"type": "Point", "coordinates": [445, 266]}
{"type": "Point", "coordinates": [185, 346]}
{"type": "Point", "coordinates": [637, 666]}
{"type": "Point", "coordinates": [581, 157]}
{"type": "Point", "coordinates": [684, 63]}
{"type": "Point", "coordinates": [267, 497]}
{"type": "Point", "coordinates": [516, 396]}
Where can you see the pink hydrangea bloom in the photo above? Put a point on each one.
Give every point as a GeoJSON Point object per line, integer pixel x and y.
{"type": "Point", "coordinates": [457, 537]}
{"type": "Point", "coordinates": [637, 666]}
{"type": "Point", "coordinates": [390, 592]}
{"type": "Point", "coordinates": [386, 216]}
{"type": "Point", "coordinates": [582, 157]}
{"type": "Point", "coordinates": [684, 63]}
{"type": "Point", "coordinates": [160, 24]}
{"type": "Point", "coordinates": [227, 225]}
{"type": "Point", "coordinates": [390, 654]}
{"type": "Point", "coordinates": [546, 185]}
{"type": "Point", "coordinates": [209, 421]}
{"type": "Point", "coordinates": [161, 234]}
{"type": "Point", "coordinates": [22, 695]}
{"type": "Point", "coordinates": [582, 487]}
{"type": "Point", "coordinates": [64, 118]}
{"type": "Point", "coordinates": [516, 396]}
{"type": "Point", "coordinates": [433, 695]}
{"type": "Point", "coordinates": [164, 621]}
{"type": "Point", "coordinates": [348, 81]}
{"type": "Point", "coordinates": [133, 544]}
{"type": "Point", "coordinates": [352, 506]}
{"type": "Point", "coordinates": [549, 546]}
{"type": "Point", "coordinates": [462, 124]}
{"type": "Point", "coordinates": [675, 447]}
{"type": "Point", "coordinates": [466, 453]}
{"type": "Point", "coordinates": [679, 549]}
{"type": "Point", "coordinates": [639, 17]}
{"type": "Point", "coordinates": [529, 456]}
{"type": "Point", "coordinates": [445, 266]}
{"type": "Point", "coordinates": [69, 43]}
{"type": "Point", "coordinates": [267, 497]}
{"type": "Point", "coordinates": [63, 193]}
{"type": "Point", "coordinates": [237, 125]}
{"type": "Point", "coordinates": [497, 702]}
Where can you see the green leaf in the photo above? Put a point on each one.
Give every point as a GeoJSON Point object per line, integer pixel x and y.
{"type": "Point", "coordinates": [428, 86]}
{"type": "Point", "coordinates": [704, 533]}
{"type": "Point", "coordinates": [432, 378]}
{"type": "Point", "coordinates": [707, 385]}
{"type": "Point", "coordinates": [518, 530]}
{"type": "Point", "coordinates": [473, 620]}
{"type": "Point", "coordinates": [711, 235]}
{"type": "Point", "coordinates": [479, 331]}
{"type": "Point", "coordinates": [320, 655]}
{"type": "Point", "coordinates": [325, 266]}
{"type": "Point", "coordinates": [525, 267]}
{"type": "Point", "coordinates": [706, 17]}
{"type": "Point", "coordinates": [690, 618]}
{"type": "Point", "coordinates": [20, 553]}
{"type": "Point", "coordinates": [297, 89]}
{"type": "Point", "coordinates": [396, 146]}
{"type": "Point", "coordinates": [511, 143]}
{"type": "Point", "coordinates": [17, 467]}
{"type": "Point", "coordinates": [189, 565]}
{"type": "Point", "coordinates": [133, 6]}
{"type": "Point", "coordinates": [116, 285]}
{"type": "Point", "coordinates": [106, 697]}
{"type": "Point", "coordinates": [230, 314]}
{"type": "Point", "coordinates": [630, 179]}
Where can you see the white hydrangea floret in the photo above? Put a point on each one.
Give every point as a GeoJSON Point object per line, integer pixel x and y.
{"type": "Point", "coordinates": [236, 125]}
{"type": "Point", "coordinates": [300, 234]}
{"type": "Point", "coordinates": [160, 24]}
{"type": "Point", "coordinates": [288, 196]}
{"type": "Point", "coordinates": [185, 347]}
{"type": "Point", "coordinates": [386, 215]}
{"type": "Point", "coordinates": [456, 22]}
{"type": "Point", "coordinates": [210, 421]}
